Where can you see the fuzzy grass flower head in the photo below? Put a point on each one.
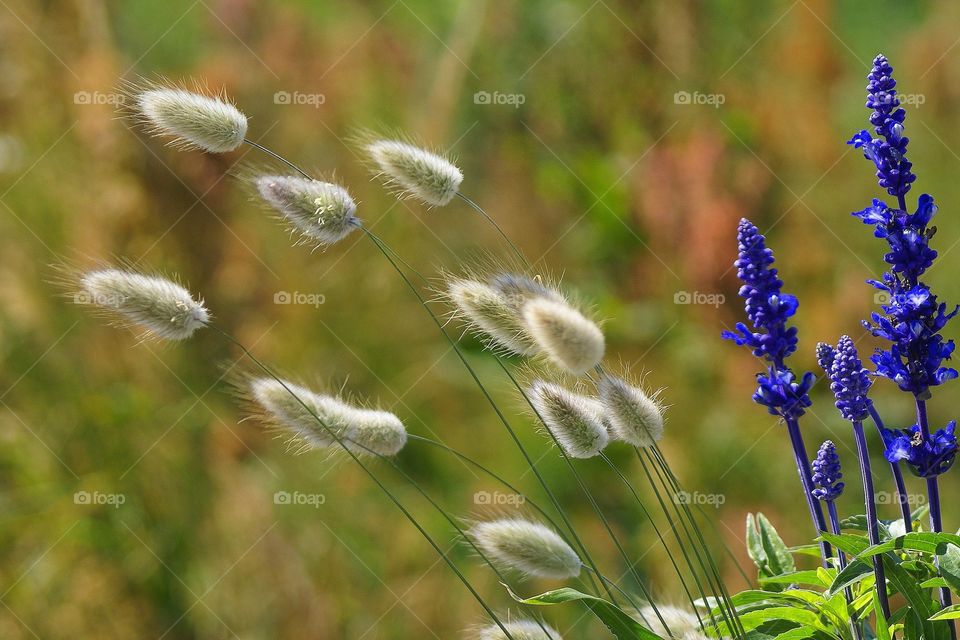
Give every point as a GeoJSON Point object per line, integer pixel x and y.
{"type": "Point", "coordinates": [564, 335]}
{"type": "Point", "coordinates": [519, 630]}
{"type": "Point", "coordinates": [527, 547]}
{"type": "Point", "coordinates": [321, 212]}
{"type": "Point", "coordinates": [492, 307]}
{"type": "Point", "coordinates": [316, 421]}
{"type": "Point", "coordinates": [415, 172]}
{"type": "Point", "coordinates": [194, 121]}
{"type": "Point", "coordinates": [634, 416]}
{"type": "Point", "coordinates": [162, 307]}
{"type": "Point", "coordinates": [575, 421]}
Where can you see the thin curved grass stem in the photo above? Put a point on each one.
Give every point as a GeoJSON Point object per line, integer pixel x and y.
{"type": "Point", "coordinates": [406, 513]}
{"type": "Point", "coordinates": [656, 529]}
{"type": "Point", "coordinates": [493, 404]}
{"type": "Point", "coordinates": [674, 486]}
{"type": "Point", "coordinates": [277, 156]}
{"type": "Point", "coordinates": [476, 207]}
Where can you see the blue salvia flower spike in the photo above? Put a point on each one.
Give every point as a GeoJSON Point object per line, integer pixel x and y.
{"type": "Point", "coordinates": [913, 318]}
{"type": "Point", "coordinates": [773, 340]}
{"type": "Point", "coordinates": [828, 483]}
{"type": "Point", "coordinates": [825, 357]}
{"type": "Point", "coordinates": [850, 383]}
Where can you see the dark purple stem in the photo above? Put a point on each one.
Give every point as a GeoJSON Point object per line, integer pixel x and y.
{"type": "Point", "coordinates": [803, 467]}
{"type": "Point", "coordinates": [897, 478]}
{"type": "Point", "coordinates": [873, 529]}
{"type": "Point", "coordinates": [842, 561]}
{"type": "Point", "coordinates": [933, 496]}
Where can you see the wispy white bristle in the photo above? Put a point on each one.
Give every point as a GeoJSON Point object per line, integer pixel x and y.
{"type": "Point", "coordinates": [489, 312]}
{"type": "Point", "coordinates": [193, 120]}
{"type": "Point", "coordinates": [162, 307]}
{"type": "Point", "coordinates": [416, 172]}
{"type": "Point", "coordinates": [322, 212]}
{"type": "Point", "coordinates": [526, 547]}
{"type": "Point", "coordinates": [519, 630]}
{"type": "Point", "coordinates": [574, 420]}
{"type": "Point", "coordinates": [633, 416]}
{"type": "Point", "coordinates": [564, 335]}
{"type": "Point", "coordinates": [310, 418]}
{"type": "Point", "coordinates": [680, 623]}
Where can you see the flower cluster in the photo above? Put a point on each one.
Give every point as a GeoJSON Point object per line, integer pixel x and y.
{"type": "Point", "coordinates": [849, 381]}
{"type": "Point", "coordinates": [912, 318]}
{"type": "Point", "coordinates": [826, 473]}
{"type": "Point", "coordinates": [928, 457]}
{"type": "Point", "coordinates": [888, 152]}
{"type": "Point", "coordinates": [768, 310]}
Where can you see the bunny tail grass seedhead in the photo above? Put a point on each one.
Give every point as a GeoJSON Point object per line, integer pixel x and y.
{"type": "Point", "coordinates": [162, 307]}
{"type": "Point", "coordinates": [415, 172]}
{"type": "Point", "coordinates": [633, 416]}
{"type": "Point", "coordinates": [526, 547]}
{"type": "Point", "coordinates": [322, 212]}
{"type": "Point", "coordinates": [194, 121]}
{"type": "Point", "coordinates": [680, 623]}
{"type": "Point", "coordinates": [564, 335]}
{"type": "Point", "coordinates": [312, 419]}
{"type": "Point", "coordinates": [574, 420]}
{"type": "Point", "coordinates": [519, 630]}
{"type": "Point", "coordinates": [491, 315]}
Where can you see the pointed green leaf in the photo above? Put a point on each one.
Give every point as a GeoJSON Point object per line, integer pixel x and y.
{"type": "Point", "coordinates": [950, 613]}
{"type": "Point", "coordinates": [778, 556]}
{"type": "Point", "coordinates": [622, 626]}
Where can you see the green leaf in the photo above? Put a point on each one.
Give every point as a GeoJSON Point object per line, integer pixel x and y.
{"type": "Point", "coordinates": [753, 619]}
{"type": "Point", "coordinates": [922, 606]}
{"type": "Point", "coordinates": [883, 628]}
{"type": "Point", "coordinates": [924, 542]}
{"type": "Point", "coordinates": [933, 583]}
{"type": "Point", "coordinates": [848, 542]}
{"type": "Point", "coordinates": [778, 556]}
{"type": "Point", "coordinates": [851, 574]}
{"type": "Point", "coordinates": [806, 550]}
{"type": "Point", "coordinates": [619, 623]}
{"type": "Point", "coordinates": [754, 546]}
{"type": "Point", "coordinates": [796, 577]}
{"type": "Point", "coordinates": [950, 567]}
{"type": "Point", "coordinates": [950, 613]}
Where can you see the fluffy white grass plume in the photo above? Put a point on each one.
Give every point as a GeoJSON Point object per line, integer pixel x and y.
{"type": "Point", "coordinates": [526, 547]}
{"type": "Point", "coordinates": [493, 308]}
{"type": "Point", "coordinates": [489, 313]}
{"type": "Point", "coordinates": [322, 212]}
{"type": "Point", "coordinates": [519, 630]}
{"type": "Point", "coordinates": [634, 416]}
{"type": "Point", "coordinates": [194, 121]}
{"type": "Point", "coordinates": [574, 420]}
{"type": "Point", "coordinates": [683, 624]}
{"type": "Point", "coordinates": [162, 307]}
{"type": "Point", "coordinates": [416, 172]}
{"type": "Point", "coordinates": [363, 431]}
{"type": "Point", "coordinates": [564, 335]}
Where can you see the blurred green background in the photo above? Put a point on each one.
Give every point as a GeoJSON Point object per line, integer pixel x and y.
{"type": "Point", "coordinates": [607, 172]}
